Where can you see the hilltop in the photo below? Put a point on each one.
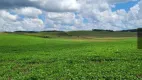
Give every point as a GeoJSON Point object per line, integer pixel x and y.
{"type": "Point", "coordinates": [76, 34]}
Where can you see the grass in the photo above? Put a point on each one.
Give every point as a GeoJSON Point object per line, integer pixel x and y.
{"type": "Point", "coordinates": [102, 34]}
{"type": "Point", "coordinates": [79, 34]}
{"type": "Point", "coordinates": [33, 58]}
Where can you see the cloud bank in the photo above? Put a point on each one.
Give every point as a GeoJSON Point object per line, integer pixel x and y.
{"type": "Point", "coordinates": [67, 15]}
{"type": "Point", "coordinates": [47, 5]}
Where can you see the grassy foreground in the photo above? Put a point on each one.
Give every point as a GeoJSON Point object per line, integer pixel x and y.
{"type": "Point", "coordinates": [32, 58]}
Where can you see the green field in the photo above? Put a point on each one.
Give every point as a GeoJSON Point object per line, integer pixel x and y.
{"type": "Point", "coordinates": [25, 57]}
{"type": "Point", "coordinates": [80, 34]}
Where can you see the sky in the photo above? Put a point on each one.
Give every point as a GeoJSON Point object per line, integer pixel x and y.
{"type": "Point", "coordinates": [67, 15]}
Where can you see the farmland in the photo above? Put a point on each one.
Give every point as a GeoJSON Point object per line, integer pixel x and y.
{"type": "Point", "coordinates": [69, 56]}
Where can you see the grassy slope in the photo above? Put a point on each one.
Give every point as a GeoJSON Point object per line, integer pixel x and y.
{"type": "Point", "coordinates": [81, 34]}
{"type": "Point", "coordinates": [32, 58]}
{"type": "Point", "coordinates": [102, 34]}
{"type": "Point", "coordinates": [45, 34]}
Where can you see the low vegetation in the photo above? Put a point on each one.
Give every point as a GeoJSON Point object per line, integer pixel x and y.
{"type": "Point", "coordinates": [78, 34]}
{"type": "Point", "coordinates": [25, 57]}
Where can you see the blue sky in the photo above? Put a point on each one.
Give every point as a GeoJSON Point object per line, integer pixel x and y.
{"type": "Point", "coordinates": [126, 5]}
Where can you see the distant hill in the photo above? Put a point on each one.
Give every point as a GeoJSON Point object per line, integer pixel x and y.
{"type": "Point", "coordinates": [25, 32]}
{"type": "Point", "coordinates": [102, 34]}
{"type": "Point", "coordinates": [44, 34]}
{"type": "Point", "coordinates": [102, 30]}
{"type": "Point", "coordinates": [130, 30]}
{"type": "Point", "coordinates": [93, 33]}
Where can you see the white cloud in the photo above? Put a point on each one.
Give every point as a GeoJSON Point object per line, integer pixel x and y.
{"type": "Point", "coordinates": [59, 5]}
{"type": "Point", "coordinates": [48, 5]}
{"type": "Point", "coordinates": [62, 18]}
{"type": "Point", "coordinates": [99, 15]}
{"type": "Point", "coordinates": [68, 15]}
{"type": "Point", "coordinates": [119, 1]}
{"type": "Point", "coordinates": [9, 22]}
{"type": "Point", "coordinates": [28, 12]}
{"type": "Point", "coordinates": [7, 16]}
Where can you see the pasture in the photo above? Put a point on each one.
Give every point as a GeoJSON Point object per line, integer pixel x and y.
{"type": "Point", "coordinates": [25, 57]}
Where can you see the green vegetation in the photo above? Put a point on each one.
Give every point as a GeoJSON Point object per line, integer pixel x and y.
{"type": "Point", "coordinates": [25, 57]}
{"type": "Point", "coordinates": [77, 34]}
{"type": "Point", "coordinates": [102, 34]}
{"type": "Point", "coordinates": [44, 34]}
